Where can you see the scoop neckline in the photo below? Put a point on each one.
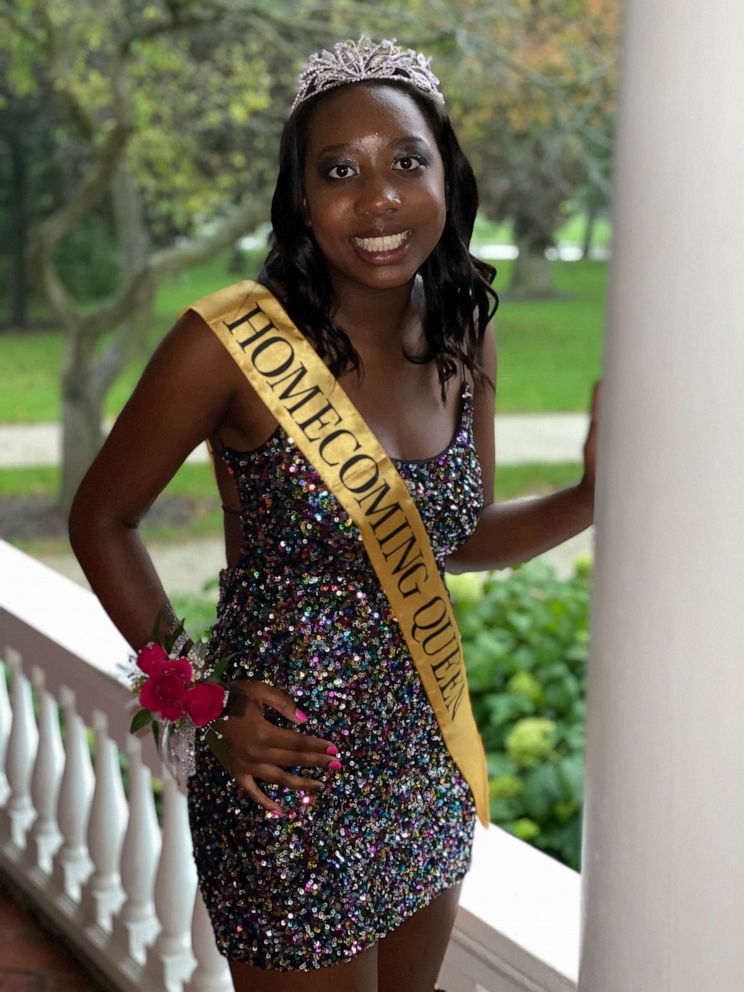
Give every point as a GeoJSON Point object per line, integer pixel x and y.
{"type": "Point", "coordinates": [464, 395]}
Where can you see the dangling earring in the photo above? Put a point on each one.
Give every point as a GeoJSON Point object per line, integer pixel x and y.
{"type": "Point", "coordinates": [308, 222]}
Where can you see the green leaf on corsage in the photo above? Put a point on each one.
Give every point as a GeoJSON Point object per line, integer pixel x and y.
{"type": "Point", "coordinates": [140, 719]}
{"type": "Point", "coordinates": [219, 669]}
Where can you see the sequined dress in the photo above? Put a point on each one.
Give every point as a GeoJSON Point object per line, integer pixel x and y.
{"type": "Point", "coordinates": [304, 610]}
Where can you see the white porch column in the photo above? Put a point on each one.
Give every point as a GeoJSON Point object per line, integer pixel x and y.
{"type": "Point", "coordinates": [663, 858]}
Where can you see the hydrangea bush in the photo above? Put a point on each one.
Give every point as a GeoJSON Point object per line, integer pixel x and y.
{"type": "Point", "coordinates": [525, 637]}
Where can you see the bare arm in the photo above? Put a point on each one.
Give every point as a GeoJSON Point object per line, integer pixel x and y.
{"type": "Point", "coordinates": [510, 533]}
{"type": "Point", "coordinates": [183, 395]}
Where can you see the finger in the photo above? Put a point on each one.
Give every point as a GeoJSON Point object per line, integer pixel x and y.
{"type": "Point", "coordinates": [291, 740]}
{"type": "Point", "coordinates": [278, 700]}
{"type": "Point", "coordinates": [277, 776]}
{"type": "Point", "coordinates": [247, 785]}
{"type": "Point", "coordinates": [259, 732]}
{"type": "Point", "coordinates": [302, 759]}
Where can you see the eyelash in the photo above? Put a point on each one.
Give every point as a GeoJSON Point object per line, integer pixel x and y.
{"type": "Point", "coordinates": [422, 163]}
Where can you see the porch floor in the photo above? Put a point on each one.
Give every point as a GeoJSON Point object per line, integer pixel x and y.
{"type": "Point", "coordinates": [32, 959]}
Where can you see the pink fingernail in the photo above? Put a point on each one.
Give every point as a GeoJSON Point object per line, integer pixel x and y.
{"type": "Point", "coordinates": [300, 716]}
{"type": "Point", "coordinates": [277, 812]}
{"type": "Point", "coordinates": [331, 749]}
{"type": "Point", "coordinates": [335, 765]}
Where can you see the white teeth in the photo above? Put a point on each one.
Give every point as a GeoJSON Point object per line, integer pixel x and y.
{"type": "Point", "coordinates": [389, 243]}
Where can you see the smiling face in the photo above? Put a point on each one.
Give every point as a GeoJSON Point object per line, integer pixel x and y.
{"type": "Point", "coordinates": [374, 186]}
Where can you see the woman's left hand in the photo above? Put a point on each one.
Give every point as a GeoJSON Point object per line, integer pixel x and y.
{"type": "Point", "coordinates": [590, 445]}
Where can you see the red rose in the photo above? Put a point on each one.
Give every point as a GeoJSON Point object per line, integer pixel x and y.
{"type": "Point", "coordinates": [204, 702]}
{"type": "Point", "coordinates": [151, 658]}
{"type": "Point", "coordinates": [165, 690]}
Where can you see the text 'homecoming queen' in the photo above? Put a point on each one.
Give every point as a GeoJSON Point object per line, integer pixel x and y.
{"type": "Point", "coordinates": [357, 471]}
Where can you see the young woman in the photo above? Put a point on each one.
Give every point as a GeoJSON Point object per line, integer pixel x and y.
{"type": "Point", "coordinates": [331, 850]}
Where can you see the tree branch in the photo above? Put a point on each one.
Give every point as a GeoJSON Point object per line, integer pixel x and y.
{"type": "Point", "coordinates": [151, 29]}
{"type": "Point", "coordinates": [167, 261]}
{"type": "Point", "coordinates": [56, 71]}
{"type": "Point", "coordinates": [60, 300]}
{"type": "Point", "coordinates": [243, 219]}
{"type": "Point", "coordinates": [94, 185]}
{"type": "Point", "coordinates": [119, 306]}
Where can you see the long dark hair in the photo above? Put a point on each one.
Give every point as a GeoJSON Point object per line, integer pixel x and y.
{"type": "Point", "coordinates": [459, 299]}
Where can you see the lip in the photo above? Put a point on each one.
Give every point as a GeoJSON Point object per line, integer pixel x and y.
{"type": "Point", "coordinates": [391, 256]}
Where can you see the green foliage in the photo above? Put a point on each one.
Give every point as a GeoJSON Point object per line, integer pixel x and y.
{"type": "Point", "coordinates": [87, 260]}
{"type": "Point", "coordinates": [525, 637]}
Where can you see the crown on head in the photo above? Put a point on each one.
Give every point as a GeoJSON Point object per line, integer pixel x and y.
{"type": "Point", "coordinates": [357, 61]}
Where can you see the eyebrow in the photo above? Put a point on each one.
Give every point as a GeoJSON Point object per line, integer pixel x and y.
{"type": "Point", "coordinates": [409, 139]}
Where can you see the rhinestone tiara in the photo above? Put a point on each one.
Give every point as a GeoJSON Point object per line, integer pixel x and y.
{"type": "Point", "coordinates": [357, 61]}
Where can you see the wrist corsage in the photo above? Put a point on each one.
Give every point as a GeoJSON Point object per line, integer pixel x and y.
{"type": "Point", "coordinates": [177, 698]}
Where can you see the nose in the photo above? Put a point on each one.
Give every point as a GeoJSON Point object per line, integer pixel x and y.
{"type": "Point", "coordinates": [378, 195]}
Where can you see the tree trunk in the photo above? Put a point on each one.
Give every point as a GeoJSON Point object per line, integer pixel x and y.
{"type": "Point", "coordinates": [82, 433]}
{"type": "Point", "coordinates": [531, 277]}
{"type": "Point", "coordinates": [591, 220]}
{"type": "Point", "coordinates": [89, 371]}
{"type": "Point", "coordinates": [18, 231]}
{"type": "Point", "coordinates": [88, 377]}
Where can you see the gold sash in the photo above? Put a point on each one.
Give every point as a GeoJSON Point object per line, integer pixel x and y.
{"type": "Point", "coordinates": [313, 409]}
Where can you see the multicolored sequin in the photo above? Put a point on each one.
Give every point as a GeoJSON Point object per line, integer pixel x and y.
{"type": "Point", "coordinates": [304, 609]}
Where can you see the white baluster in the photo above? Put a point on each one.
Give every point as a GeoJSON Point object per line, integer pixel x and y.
{"type": "Point", "coordinates": [19, 812]}
{"type": "Point", "coordinates": [72, 865]}
{"type": "Point", "coordinates": [211, 973]}
{"type": "Point", "coordinates": [169, 959]}
{"type": "Point", "coordinates": [103, 894]}
{"type": "Point", "coordinates": [45, 837]}
{"type": "Point", "coordinates": [5, 718]}
{"type": "Point", "coordinates": [136, 924]}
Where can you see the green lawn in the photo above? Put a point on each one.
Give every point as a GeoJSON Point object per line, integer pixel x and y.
{"type": "Point", "coordinates": [30, 361]}
{"type": "Point", "coordinates": [549, 350]}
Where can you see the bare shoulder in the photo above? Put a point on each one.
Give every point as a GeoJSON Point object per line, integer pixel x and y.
{"type": "Point", "coordinates": [184, 394]}
{"type": "Point", "coordinates": [191, 348]}
{"type": "Point", "coordinates": [197, 365]}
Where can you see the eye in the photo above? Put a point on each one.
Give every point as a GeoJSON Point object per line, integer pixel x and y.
{"type": "Point", "coordinates": [341, 171]}
{"type": "Point", "coordinates": [410, 163]}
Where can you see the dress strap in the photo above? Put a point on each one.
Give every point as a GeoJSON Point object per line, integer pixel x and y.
{"type": "Point", "coordinates": [215, 445]}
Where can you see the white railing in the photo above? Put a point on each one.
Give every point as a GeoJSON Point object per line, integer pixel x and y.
{"type": "Point", "coordinates": [121, 888]}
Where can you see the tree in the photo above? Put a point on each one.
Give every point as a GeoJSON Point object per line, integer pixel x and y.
{"type": "Point", "coordinates": [30, 181]}
{"type": "Point", "coordinates": [148, 116]}
{"type": "Point", "coordinates": [536, 93]}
